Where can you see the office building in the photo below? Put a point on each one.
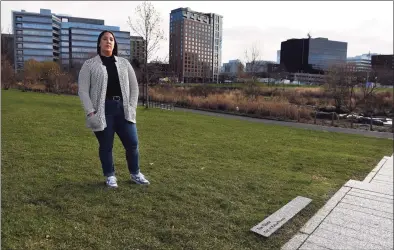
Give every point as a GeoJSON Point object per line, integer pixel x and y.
{"type": "Point", "coordinates": [278, 56]}
{"type": "Point", "coordinates": [195, 45]}
{"type": "Point", "coordinates": [382, 62]}
{"type": "Point", "coordinates": [259, 66]}
{"type": "Point", "coordinates": [382, 66]}
{"type": "Point", "coordinates": [68, 40]}
{"type": "Point", "coordinates": [233, 67]}
{"type": "Point", "coordinates": [312, 55]}
{"type": "Point", "coordinates": [362, 62]}
{"type": "Point", "coordinates": [137, 48]}
{"type": "Point", "coordinates": [36, 36]}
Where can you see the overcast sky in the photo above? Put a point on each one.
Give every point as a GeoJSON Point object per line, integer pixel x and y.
{"type": "Point", "coordinates": [366, 26]}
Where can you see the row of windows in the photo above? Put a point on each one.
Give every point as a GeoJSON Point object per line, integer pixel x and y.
{"type": "Point", "coordinates": [97, 33]}
{"type": "Point", "coordinates": [86, 50]}
{"type": "Point", "coordinates": [207, 44]}
{"type": "Point", "coordinates": [192, 27]}
{"type": "Point", "coordinates": [36, 26]}
{"type": "Point", "coordinates": [64, 37]}
{"type": "Point", "coordinates": [198, 38]}
{"type": "Point", "coordinates": [192, 33]}
{"type": "Point", "coordinates": [84, 44]}
{"type": "Point", "coordinates": [94, 39]}
{"type": "Point", "coordinates": [195, 45]}
{"type": "Point", "coordinates": [192, 74]}
{"type": "Point", "coordinates": [33, 19]}
{"type": "Point", "coordinates": [326, 52]}
{"type": "Point", "coordinates": [34, 39]}
{"type": "Point", "coordinates": [33, 46]}
{"type": "Point", "coordinates": [34, 52]}
{"type": "Point", "coordinates": [34, 33]}
{"type": "Point", "coordinates": [123, 53]}
{"type": "Point", "coordinates": [192, 66]}
{"type": "Point", "coordinates": [199, 53]}
{"type": "Point", "coordinates": [80, 55]}
{"type": "Point", "coordinates": [65, 55]}
{"type": "Point", "coordinates": [87, 26]}
{"type": "Point", "coordinates": [198, 27]}
{"type": "Point", "coordinates": [195, 59]}
{"type": "Point", "coordinates": [199, 70]}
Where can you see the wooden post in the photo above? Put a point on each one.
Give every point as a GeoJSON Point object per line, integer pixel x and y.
{"type": "Point", "coordinates": [315, 117]}
{"type": "Point", "coordinates": [370, 123]}
{"type": "Point", "coordinates": [351, 122]}
{"type": "Point", "coordinates": [332, 119]}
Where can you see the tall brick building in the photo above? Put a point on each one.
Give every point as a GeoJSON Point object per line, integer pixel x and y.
{"type": "Point", "coordinates": [195, 45]}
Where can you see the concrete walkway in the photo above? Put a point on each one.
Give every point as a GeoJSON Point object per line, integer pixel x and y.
{"type": "Point", "coordinates": [358, 216]}
{"type": "Point", "coordinates": [367, 133]}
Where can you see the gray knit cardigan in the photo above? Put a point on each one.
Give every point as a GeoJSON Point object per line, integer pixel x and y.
{"type": "Point", "coordinates": [92, 88]}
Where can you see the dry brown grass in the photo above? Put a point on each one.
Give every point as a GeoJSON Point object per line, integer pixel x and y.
{"type": "Point", "coordinates": [260, 106]}
{"type": "Point", "coordinates": [279, 102]}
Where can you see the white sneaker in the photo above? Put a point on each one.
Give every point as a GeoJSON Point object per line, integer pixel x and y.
{"type": "Point", "coordinates": [139, 179]}
{"type": "Point", "coordinates": [111, 182]}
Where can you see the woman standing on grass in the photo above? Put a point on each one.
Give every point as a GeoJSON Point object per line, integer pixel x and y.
{"type": "Point", "coordinates": [108, 89]}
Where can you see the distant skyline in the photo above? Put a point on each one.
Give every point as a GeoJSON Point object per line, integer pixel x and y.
{"type": "Point", "coordinates": [365, 26]}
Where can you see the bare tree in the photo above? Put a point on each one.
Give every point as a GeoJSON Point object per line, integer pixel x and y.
{"type": "Point", "coordinates": [158, 68]}
{"type": "Point", "coordinates": [240, 70]}
{"type": "Point", "coordinates": [7, 74]}
{"type": "Point", "coordinates": [252, 61]}
{"type": "Point", "coordinates": [343, 84]}
{"type": "Point", "coordinates": [147, 25]}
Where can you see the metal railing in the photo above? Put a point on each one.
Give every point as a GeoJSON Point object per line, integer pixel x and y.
{"type": "Point", "coordinates": [160, 105]}
{"type": "Point", "coordinates": [151, 103]}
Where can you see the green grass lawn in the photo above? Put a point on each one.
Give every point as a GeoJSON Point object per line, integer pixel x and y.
{"type": "Point", "coordinates": [212, 179]}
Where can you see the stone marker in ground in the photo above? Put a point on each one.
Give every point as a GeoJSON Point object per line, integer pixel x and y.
{"type": "Point", "coordinates": [280, 217]}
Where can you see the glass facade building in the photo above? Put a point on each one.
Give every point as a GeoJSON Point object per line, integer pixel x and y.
{"type": "Point", "coordinates": [195, 45]}
{"type": "Point", "coordinates": [362, 62]}
{"type": "Point", "coordinates": [36, 36]}
{"type": "Point", "coordinates": [324, 53]}
{"type": "Point", "coordinates": [68, 40]}
{"type": "Point", "coordinates": [312, 55]}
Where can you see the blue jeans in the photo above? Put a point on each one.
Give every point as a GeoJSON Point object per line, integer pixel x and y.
{"type": "Point", "coordinates": [127, 132]}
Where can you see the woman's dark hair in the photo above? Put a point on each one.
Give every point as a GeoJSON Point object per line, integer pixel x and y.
{"type": "Point", "coordinates": [115, 51]}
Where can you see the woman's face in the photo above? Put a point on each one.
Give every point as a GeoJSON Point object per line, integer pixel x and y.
{"type": "Point", "coordinates": [107, 44]}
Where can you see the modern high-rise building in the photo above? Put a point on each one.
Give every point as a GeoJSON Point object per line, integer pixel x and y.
{"type": "Point", "coordinates": [137, 48]}
{"type": "Point", "coordinates": [259, 66]}
{"type": "Point", "coordinates": [382, 61]}
{"type": "Point", "coordinates": [195, 45]}
{"type": "Point", "coordinates": [36, 36]}
{"type": "Point", "coordinates": [312, 55]}
{"type": "Point", "coordinates": [278, 56]}
{"type": "Point", "coordinates": [383, 67]}
{"type": "Point", "coordinates": [68, 40]}
{"type": "Point", "coordinates": [233, 67]}
{"type": "Point", "coordinates": [362, 63]}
